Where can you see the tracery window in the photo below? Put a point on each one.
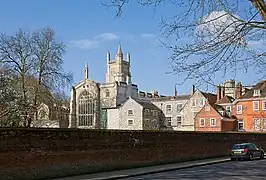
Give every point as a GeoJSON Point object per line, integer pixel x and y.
{"type": "Point", "coordinates": [86, 109]}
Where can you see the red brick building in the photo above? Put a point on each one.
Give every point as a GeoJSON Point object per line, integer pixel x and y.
{"type": "Point", "coordinates": [250, 108]}
{"type": "Point", "coordinates": [213, 117]}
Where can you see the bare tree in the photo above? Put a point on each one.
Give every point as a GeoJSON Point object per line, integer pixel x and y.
{"type": "Point", "coordinates": [36, 61]}
{"type": "Point", "coordinates": [48, 61]}
{"type": "Point", "coordinates": [8, 100]}
{"type": "Point", "coordinates": [222, 36]}
{"type": "Point", "coordinates": [16, 55]}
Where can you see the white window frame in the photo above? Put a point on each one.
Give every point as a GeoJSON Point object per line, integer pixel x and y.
{"type": "Point", "coordinates": [240, 122]}
{"type": "Point", "coordinates": [256, 92]}
{"type": "Point", "coordinates": [167, 109]}
{"type": "Point", "coordinates": [130, 114]}
{"type": "Point", "coordinates": [202, 119]}
{"type": "Point", "coordinates": [130, 120]}
{"type": "Point", "coordinates": [263, 105]}
{"type": "Point", "coordinates": [256, 102]}
{"type": "Point", "coordinates": [239, 111]}
{"type": "Point", "coordinates": [214, 124]}
{"type": "Point", "coordinates": [228, 108]}
{"type": "Point", "coordinates": [254, 124]}
{"type": "Point", "coordinates": [178, 123]}
{"type": "Point", "coordinates": [203, 102]}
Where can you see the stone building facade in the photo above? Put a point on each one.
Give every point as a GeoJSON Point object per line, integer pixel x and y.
{"type": "Point", "coordinates": [90, 99]}
{"type": "Point", "coordinates": [52, 115]}
{"type": "Point", "coordinates": [135, 114]}
{"type": "Point", "coordinates": [172, 108]}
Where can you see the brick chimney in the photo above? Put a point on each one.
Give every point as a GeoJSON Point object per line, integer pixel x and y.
{"type": "Point", "coordinates": [193, 89]}
{"type": "Point", "coordinates": [238, 90]}
{"type": "Point", "coordinates": [222, 92]}
{"type": "Point", "coordinates": [218, 92]}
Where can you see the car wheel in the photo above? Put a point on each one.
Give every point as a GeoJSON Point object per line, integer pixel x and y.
{"type": "Point", "coordinates": [262, 155]}
{"type": "Point", "coordinates": [233, 159]}
{"type": "Point", "coordinates": [250, 157]}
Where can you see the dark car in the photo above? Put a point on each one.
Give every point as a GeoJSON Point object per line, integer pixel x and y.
{"type": "Point", "coordinates": [246, 151]}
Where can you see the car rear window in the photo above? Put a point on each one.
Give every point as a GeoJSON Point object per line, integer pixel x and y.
{"type": "Point", "coordinates": [239, 147]}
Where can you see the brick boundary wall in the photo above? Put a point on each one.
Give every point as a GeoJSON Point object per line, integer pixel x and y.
{"type": "Point", "coordinates": [47, 153]}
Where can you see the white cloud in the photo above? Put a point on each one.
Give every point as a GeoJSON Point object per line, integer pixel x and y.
{"type": "Point", "coordinates": [94, 42]}
{"type": "Point", "coordinates": [219, 26]}
{"type": "Point", "coordinates": [106, 37]}
{"type": "Point", "coordinates": [85, 44]}
{"type": "Point", "coordinates": [148, 35]}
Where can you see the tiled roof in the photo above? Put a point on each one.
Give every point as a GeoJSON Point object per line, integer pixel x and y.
{"type": "Point", "coordinates": [259, 86]}
{"type": "Point", "coordinates": [219, 108]}
{"type": "Point", "coordinates": [211, 97]}
{"type": "Point", "coordinates": [225, 100]}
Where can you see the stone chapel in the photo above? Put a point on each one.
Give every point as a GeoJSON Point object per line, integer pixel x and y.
{"type": "Point", "coordinates": [89, 99]}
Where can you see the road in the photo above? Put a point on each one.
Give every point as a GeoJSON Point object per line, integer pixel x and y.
{"type": "Point", "coordinates": [233, 170]}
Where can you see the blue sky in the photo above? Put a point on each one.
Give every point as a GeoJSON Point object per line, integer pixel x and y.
{"type": "Point", "coordinates": [89, 29]}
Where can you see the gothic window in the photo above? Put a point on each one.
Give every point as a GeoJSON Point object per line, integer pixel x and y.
{"type": "Point", "coordinates": [107, 93]}
{"type": "Point", "coordinates": [42, 114]}
{"type": "Point", "coordinates": [86, 109]}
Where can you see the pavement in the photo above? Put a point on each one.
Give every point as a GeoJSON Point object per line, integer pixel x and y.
{"type": "Point", "coordinates": [233, 170]}
{"type": "Point", "coordinates": [127, 173]}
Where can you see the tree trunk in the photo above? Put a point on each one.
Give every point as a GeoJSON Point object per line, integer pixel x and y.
{"type": "Point", "coordinates": [36, 96]}
{"type": "Point", "coordinates": [24, 100]}
{"type": "Point", "coordinates": [261, 7]}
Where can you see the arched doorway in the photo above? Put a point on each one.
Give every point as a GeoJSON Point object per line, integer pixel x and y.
{"type": "Point", "coordinates": [86, 109]}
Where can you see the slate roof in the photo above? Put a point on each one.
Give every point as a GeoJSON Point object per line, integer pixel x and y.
{"type": "Point", "coordinates": [169, 98]}
{"type": "Point", "coordinates": [259, 86]}
{"type": "Point", "coordinates": [147, 104]}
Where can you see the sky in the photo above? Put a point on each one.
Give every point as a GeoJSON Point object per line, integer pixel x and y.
{"type": "Point", "coordinates": [90, 29]}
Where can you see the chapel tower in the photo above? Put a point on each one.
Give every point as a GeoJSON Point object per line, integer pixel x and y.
{"type": "Point", "coordinates": [118, 69]}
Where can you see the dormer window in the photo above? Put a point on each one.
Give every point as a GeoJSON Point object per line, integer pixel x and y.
{"type": "Point", "coordinates": [222, 113]}
{"type": "Point", "coordinates": [256, 92]}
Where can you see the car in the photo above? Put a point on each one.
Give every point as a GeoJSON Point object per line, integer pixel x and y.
{"type": "Point", "coordinates": [246, 151]}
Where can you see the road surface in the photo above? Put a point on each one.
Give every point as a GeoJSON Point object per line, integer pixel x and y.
{"type": "Point", "coordinates": [233, 170]}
